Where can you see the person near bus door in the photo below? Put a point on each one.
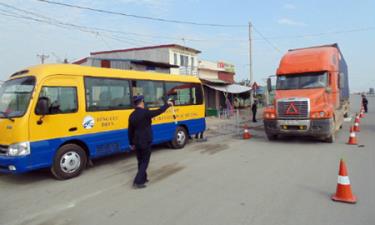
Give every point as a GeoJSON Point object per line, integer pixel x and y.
{"type": "Point", "coordinates": [140, 136]}
{"type": "Point", "coordinates": [364, 103]}
{"type": "Point", "coordinates": [254, 108]}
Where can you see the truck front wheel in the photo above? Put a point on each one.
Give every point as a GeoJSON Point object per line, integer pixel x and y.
{"type": "Point", "coordinates": [272, 137]}
{"type": "Point", "coordinates": [331, 139]}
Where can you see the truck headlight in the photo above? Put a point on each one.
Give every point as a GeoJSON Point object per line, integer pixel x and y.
{"type": "Point", "coordinates": [320, 114]}
{"type": "Point", "coordinates": [19, 149]}
{"type": "Point", "coordinates": [270, 116]}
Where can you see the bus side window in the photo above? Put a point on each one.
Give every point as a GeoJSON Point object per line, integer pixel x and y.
{"type": "Point", "coordinates": [153, 92]}
{"type": "Point", "coordinates": [107, 94]}
{"type": "Point", "coordinates": [185, 93]}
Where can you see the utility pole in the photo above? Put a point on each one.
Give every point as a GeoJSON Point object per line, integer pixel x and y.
{"type": "Point", "coordinates": [251, 62]}
{"type": "Point", "coordinates": [42, 57]}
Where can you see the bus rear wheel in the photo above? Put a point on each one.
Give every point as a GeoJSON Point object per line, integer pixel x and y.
{"type": "Point", "coordinates": [180, 138]}
{"type": "Point", "coordinates": [69, 162]}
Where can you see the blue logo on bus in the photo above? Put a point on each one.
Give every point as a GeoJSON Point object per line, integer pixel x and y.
{"type": "Point", "coordinates": [88, 122]}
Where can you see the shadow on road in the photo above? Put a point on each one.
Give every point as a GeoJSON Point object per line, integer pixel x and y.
{"type": "Point", "coordinates": [44, 175]}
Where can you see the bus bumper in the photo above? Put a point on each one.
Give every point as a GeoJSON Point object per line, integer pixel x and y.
{"type": "Point", "coordinates": [315, 128]}
{"type": "Point", "coordinates": [9, 164]}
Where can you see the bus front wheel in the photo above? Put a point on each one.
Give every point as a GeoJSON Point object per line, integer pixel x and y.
{"type": "Point", "coordinates": [69, 162]}
{"type": "Point", "coordinates": [180, 138]}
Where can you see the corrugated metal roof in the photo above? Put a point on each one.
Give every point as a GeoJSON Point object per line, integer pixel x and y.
{"type": "Point", "coordinates": [148, 47]}
{"type": "Point", "coordinates": [230, 88]}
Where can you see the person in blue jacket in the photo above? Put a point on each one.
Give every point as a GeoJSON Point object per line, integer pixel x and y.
{"type": "Point", "coordinates": [140, 136]}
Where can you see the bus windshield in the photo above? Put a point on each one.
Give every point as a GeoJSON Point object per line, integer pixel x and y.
{"type": "Point", "coordinates": [15, 97]}
{"type": "Point", "coordinates": [302, 81]}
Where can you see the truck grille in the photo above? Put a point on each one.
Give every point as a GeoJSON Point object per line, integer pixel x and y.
{"type": "Point", "coordinates": [293, 109]}
{"type": "Point", "coordinates": [3, 149]}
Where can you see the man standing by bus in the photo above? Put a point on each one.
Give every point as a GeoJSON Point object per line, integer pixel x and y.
{"type": "Point", "coordinates": [254, 108]}
{"type": "Point", "coordinates": [364, 102]}
{"type": "Point", "coordinates": [140, 136]}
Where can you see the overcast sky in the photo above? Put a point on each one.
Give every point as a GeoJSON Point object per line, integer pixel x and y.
{"type": "Point", "coordinates": [286, 24]}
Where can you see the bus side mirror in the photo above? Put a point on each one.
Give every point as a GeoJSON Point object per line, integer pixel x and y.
{"type": "Point", "coordinates": [42, 109]}
{"type": "Point", "coordinates": [269, 85]}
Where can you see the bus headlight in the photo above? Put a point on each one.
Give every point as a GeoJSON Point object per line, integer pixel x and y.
{"type": "Point", "coordinates": [19, 149]}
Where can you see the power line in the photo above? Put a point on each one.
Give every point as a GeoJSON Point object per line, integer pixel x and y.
{"type": "Point", "coordinates": [266, 40]}
{"type": "Point", "coordinates": [139, 16]}
{"type": "Point", "coordinates": [96, 30]}
{"type": "Point", "coordinates": [55, 22]}
{"type": "Point", "coordinates": [42, 18]}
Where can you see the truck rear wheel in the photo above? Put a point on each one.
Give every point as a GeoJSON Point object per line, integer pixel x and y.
{"type": "Point", "coordinates": [69, 162]}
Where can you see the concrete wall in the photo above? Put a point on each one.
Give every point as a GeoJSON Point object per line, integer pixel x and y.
{"type": "Point", "coordinates": [165, 55]}
{"type": "Point", "coordinates": [208, 74]}
{"type": "Point", "coordinates": [127, 65]}
{"type": "Point", "coordinates": [156, 55]}
{"type": "Point", "coordinates": [216, 71]}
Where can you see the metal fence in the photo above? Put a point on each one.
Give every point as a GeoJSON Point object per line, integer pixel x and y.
{"type": "Point", "coordinates": [230, 122]}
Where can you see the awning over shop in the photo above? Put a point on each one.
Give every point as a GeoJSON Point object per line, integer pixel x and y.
{"type": "Point", "coordinates": [230, 88]}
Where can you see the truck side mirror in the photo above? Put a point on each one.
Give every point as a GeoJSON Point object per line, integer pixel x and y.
{"type": "Point", "coordinates": [269, 85]}
{"type": "Point", "coordinates": [42, 108]}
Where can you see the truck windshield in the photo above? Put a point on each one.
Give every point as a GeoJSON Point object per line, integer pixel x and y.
{"type": "Point", "coordinates": [302, 81]}
{"type": "Point", "coordinates": [15, 96]}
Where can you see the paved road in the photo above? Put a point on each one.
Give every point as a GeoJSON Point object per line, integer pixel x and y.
{"type": "Point", "coordinates": [223, 181]}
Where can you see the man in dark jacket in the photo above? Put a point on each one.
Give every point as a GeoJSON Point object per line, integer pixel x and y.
{"type": "Point", "coordinates": [364, 103]}
{"type": "Point", "coordinates": [254, 108]}
{"type": "Point", "coordinates": [140, 136]}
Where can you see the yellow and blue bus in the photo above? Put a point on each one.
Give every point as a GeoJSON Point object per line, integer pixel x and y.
{"type": "Point", "coordinates": [61, 116]}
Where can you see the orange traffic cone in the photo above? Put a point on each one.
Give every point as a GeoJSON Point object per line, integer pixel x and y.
{"type": "Point", "coordinates": [352, 137]}
{"type": "Point", "coordinates": [343, 190]}
{"type": "Point", "coordinates": [356, 127]}
{"type": "Point", "coordinates": [246, 134]}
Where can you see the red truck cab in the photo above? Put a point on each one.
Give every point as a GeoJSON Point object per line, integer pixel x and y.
{"type": "Point", "coordinates": [312, 94]}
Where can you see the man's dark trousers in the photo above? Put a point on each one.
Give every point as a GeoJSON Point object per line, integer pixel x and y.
{"type": "Point", "coordinates": [143, 157]}
{"type": "Point", "coordinates": [254, 115]}
{"type": "Point", "coordinates": [365, 107]}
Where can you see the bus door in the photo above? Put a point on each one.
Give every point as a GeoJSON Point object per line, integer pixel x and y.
{"type": "Point", "coordinates": [62, 119]}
